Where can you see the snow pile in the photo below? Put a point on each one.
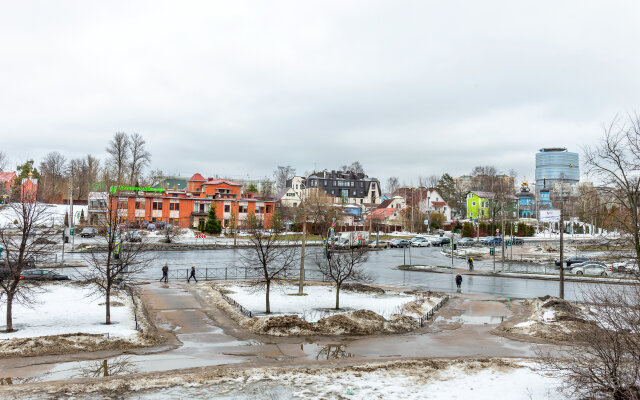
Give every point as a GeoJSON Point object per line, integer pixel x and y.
{"type": "Point", "coordinates": [365, 312]}
{"type": "Point", "coordinates": [67, 317]}
{"type": "Point", "coordinates": [546, 318]}
{"type": "Point", "coordinates": [54, 212]}
{"type": "Point", "coordinates": [485, 379]}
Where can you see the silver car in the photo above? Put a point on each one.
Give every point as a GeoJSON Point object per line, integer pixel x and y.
{"type": "Point", "coordinates": [592, 268]}
{"type": "Point", "coordinates": [420, 242]}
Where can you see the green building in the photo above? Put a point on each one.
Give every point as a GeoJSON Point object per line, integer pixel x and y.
{"type": "Point", "coordinates": [481, 205]}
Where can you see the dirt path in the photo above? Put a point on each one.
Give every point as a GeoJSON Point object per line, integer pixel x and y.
{"type": "Point", "coordinates": [204, 336]}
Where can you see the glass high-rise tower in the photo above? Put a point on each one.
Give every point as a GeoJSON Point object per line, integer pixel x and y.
{"type": "Point", "coordinates": [555, 164]}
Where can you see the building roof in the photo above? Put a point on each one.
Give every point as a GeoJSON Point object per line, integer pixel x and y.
{"type": "Point", "coordinates": [382, 213]}
{"type": "Point", "coordinates": [219, 181]}
{"type": "Point", "coordinates": [439, 203]}
{"type": "Point", "coordinates": [197, 177]}
{"type": "Point", "coordinates": [7, 176]}
{"type": "Point", "coordinates": [385, 203]}
{"type": "Point", "coordinates": [170, 183]}
{"type": "Point", "coordinates": [284, 191]}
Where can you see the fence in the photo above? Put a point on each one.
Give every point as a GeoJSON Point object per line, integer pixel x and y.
{"type": "Point", "coordinates": [236, 305]}
{"type": "Point", "coordinates": [239, 273]}
{"type": "Point", "coordinates": [433, 310]}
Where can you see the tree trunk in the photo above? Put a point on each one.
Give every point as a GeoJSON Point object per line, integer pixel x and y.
{"type": "Point", "coordinates": [304, 239]}
{"type": "Point", "coordinates": [268, 311]}
{"type": "Point", "coordinates": [108, 305]}
{"type": "Point", "coordinates": [9, 313]}
{"type": "Point", "coordinates": [338, 296]}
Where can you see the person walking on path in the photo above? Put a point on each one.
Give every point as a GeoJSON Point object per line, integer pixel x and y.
{"type": "Point", "coordinates": [193, 274]}
{"type": "Point", "coordinates": [165, 273]}
{"type": "Point", "coordinates": [470, 263]}
{"type": "Point", "coordinates": [458, 281]}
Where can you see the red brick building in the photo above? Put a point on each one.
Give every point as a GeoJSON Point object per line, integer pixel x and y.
{"type": "Point", "coordinates": [188, 207]}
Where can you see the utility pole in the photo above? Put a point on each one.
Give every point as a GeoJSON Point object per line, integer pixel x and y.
{"type": "Point", "coordinates": [71, 219]}
{"type": "Point", "coordinates": [503, 233]}
{"type": "Point", "coordinates": [304, 240]}
{"type": "Point", "coordinates": [561, 248]}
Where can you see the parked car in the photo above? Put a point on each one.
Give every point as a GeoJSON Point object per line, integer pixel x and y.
{"type": "Point", "coordinates": [88, 232]}
{"type": "Point", "coordinates": [516, 241]}
{"type": "Point", "coordinates": [381, 244]}
{"type": "Point", "coordinates": [592, 268]}
{"type": "Point", "coordinates": [42, 275]}
{"type": "Point", "coordinates": [573, 260]}
{"type": "Point", "coordinates": [133, 236]}
{"type": "Point", "coordinates": [441, 241]}
{"type": "Point", "coordinates": [399, 243]}
{"type": "Point", "coordinates": [160, 224]}
{"type": "Point", "coordinates": [466, 241]}
{"type": "Point", "coordinates": [485, 239]}
{"type": "Point", "coordinates": [494, 241]}
{"type": "Point", "coordinates": [133, 225]}
{"type": "Point", "coordinates": [151, 227]}
{"type": "Point", "coordinates": [420, 242]}
{"type": "Point", "coordinates": [628, 266]}
{"type": "Point", "coordinates": [144, 224]}
{"type": "Point", "coordinates": [341, 244]}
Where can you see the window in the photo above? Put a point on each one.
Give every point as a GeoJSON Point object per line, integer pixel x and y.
{"type": "Point", "coordinates": [139, 204]}
{"type": "Point", "coordinates": [157, 205]}
{"type": "Point", "coordinates": [269, 209]}
{"type": "Point", "coordinates": [353, 193]}
{"type": "Point", "coordinates": [325, 183]}
{"type": "Point", "coordinates": [122, 203]}
{"type": "Point", "coordinates": [227, 208]}
{"type": "Point", "coordinates": [473, 203]}
{"type": "Point", "coordinates": [361, 184]}
{"type": "Point", "coordinates": [174, 206]}
{"type": "Point", "coordinates": [333, 192]}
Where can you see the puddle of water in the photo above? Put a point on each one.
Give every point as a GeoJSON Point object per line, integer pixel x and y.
{"type": "Point", "coordinates": [473, 319]}
{"type": "Point", "coordinates": [316, 351]}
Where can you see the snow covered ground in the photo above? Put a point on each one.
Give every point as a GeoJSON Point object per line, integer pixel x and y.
{"type": "Point", "coordinates": [56, 211]}
{"type": "Point", "coordinates": [67, 308]}
{"type": "Point", "coordinates": [318, 301]}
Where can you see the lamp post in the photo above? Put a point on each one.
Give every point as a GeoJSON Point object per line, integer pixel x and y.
{"type": "Point", "coordinates": [562, 234]}
{"type": "Point", "coordinates": [304, 237]}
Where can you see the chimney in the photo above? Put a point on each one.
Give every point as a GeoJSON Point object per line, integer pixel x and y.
{"type": "Point", "coordinates": [209, 179]}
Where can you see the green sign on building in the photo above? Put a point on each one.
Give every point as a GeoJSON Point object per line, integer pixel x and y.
{"type": "Point", "coordinates": [114, 189]}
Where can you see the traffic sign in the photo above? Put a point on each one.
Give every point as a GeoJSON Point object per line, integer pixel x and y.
{"type": "Point", "coordinates": [515, 228]}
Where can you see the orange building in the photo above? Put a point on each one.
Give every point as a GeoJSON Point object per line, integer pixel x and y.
{"type": "Point", "coordinates": [189, 207]}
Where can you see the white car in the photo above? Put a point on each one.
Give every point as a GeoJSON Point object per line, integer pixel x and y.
{"type": "Point", "coordinates": [629, 266]}
{"type": "Point", "coordinates": [592, 268]}
{"type": "Point", "coordinates": [420, 242]}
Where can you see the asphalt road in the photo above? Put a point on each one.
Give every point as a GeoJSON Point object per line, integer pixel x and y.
{"type": "Point", "coordinates": [382, 268]}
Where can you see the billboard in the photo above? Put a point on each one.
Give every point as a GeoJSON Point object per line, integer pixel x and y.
{"type": "Point", "coordinates": [549, 215]}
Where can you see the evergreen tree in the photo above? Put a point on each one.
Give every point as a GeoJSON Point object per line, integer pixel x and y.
{"type": "Point", "coordinates": [82, 220]}
{"type": "Point", "coordinates": [66, 219]}
{"type": "Point", "coordinates": [467, 230]}
{"type": "Point", "coordinates": [213, 224]}
{"type": "Point", "coordinates": [252, 188]}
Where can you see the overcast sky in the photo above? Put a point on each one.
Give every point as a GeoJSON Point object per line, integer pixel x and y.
{"type": "Point", "coordinates": [232, 88]}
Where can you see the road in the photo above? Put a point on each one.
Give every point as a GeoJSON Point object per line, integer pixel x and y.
{"type": "Point", "coordinates": [382, 267]}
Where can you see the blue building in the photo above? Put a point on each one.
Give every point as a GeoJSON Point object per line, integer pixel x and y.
{"type": "Point", "coordinates": [526, 202]}
{"type": "Point", "coordinates": [554, 165]}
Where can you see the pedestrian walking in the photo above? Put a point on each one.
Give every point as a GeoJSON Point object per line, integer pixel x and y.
{"type": "Point", "coordinates": [458, 281]}
{"type": "Point", "coordinates": [470, 263]}
{"type": "Point", "coordinates": [193, 274]}
{"type": "Point", "coordinates": [165, 273]}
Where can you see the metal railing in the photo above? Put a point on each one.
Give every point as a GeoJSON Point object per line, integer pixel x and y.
{"type": "Point", "coordinates": [239, 273]}
{"type": "Point", "coordinates": [237, 305]}
{"type": "Point", "coordinates": [429, 315]}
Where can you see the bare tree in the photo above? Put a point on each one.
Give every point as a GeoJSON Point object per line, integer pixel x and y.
{"type": "Point", "coordinates": [282, 175]}
{"type": "Point", "coordinates": [113, 270]}
{"type": "Point", "coordinates": [23, 242]}
{"type": "Point", "coordinates": [4, 161]}
{"type": "Point", "coordinates": [432, 181]}
{"type": "Point", "coordinates": [392, 184]}
{"type": "Point", "coordinates": [266, 188]}
{"type": "Point", "coordinates": [78, 174]}
{"type": "Point", "coordinates": [270, 254]}
{"type": "Point", "coordinates": [119, 150]}
{"type": "Point", "coordinates": [615, 163]}
{"type": "Point", "coordinates": [154, 177]}
{"type": "Point", "coordinates": [356, 168]}
{"type": "Point", "coordinates": [604, 359]}
{"type": "Point", "coordinates": [93, 169]}
{"type": "Point", "coordinates": [170, 232]}
{"type": "Point", "coordinates": [53, 170]}
{"type": "Point", "coordinates": [140, 157]}
{"type": "Point", "coordinates": [342, 266]}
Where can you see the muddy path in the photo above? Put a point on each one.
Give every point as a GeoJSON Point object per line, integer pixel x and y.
{"type": "Point", "coordinates": [203, 336]}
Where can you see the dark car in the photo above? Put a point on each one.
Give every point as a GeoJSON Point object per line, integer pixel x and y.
{"type": "Point", "coordinates": [573, 260]}
{"type": "Point", "coordinates": [399, 243]}
{"type": "Point", "coordinates": [42, 275]}
{"type": "Point", "coordinates": [133, 237]}
{"type": "Point", "coordinates": [517, 241]}
{"type": "Point", "coordinates": [88, 232]}
{"type": "Point", "coordinates": [441, 241]}
{"type": "Point", "coordinates": [466, 241]}
{"type": "Point", "coordinates": [494, 241]}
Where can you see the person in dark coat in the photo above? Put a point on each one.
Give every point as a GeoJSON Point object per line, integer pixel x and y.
{"type": "Point", "coordinates": [193, 274]}
{"type": "Point", "coordinates": [165, 273]}
{"type": "Point", "coordinates": [458, 281]}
